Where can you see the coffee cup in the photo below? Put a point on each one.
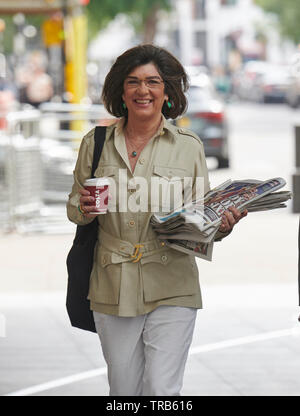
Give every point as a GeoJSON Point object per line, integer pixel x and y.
{"type": "Point", "coordinates": [98, 188]}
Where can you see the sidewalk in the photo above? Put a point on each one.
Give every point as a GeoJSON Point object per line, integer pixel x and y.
{"type": "Point", "coordinates": [262, 248]}
{"type": "Point", "coordinates": [246, 339]}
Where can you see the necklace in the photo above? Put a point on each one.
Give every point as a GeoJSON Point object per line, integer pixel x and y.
{"type": "Point", "coordinates": [133, 150]}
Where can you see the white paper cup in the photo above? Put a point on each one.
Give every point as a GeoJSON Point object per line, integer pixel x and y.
{"type": "Point", "coordinates": [98, 188]}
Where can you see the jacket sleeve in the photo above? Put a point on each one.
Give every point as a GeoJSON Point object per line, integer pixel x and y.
{"type": "Point", "coordinates": [201, 183]}
{"type": "Point", "coordinates": [201, 171]}
{"type": "Point", "coordinates": [82, 172]}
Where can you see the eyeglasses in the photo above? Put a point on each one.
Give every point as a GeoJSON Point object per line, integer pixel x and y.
{"type": "Point", "coordinates": [151, 83]}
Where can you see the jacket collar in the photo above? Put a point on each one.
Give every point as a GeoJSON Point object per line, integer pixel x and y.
{"type": "Point", "coordinates": [165, 127]}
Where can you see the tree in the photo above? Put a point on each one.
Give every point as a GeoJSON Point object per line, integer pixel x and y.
{"type": "Point", "coordinates": [142, 13]}
{"type": "Point", "coordinates": [288, 13]}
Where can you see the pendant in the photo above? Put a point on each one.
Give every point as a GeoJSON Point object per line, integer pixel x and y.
{"type": "Point", "coordinates": [134, 153]}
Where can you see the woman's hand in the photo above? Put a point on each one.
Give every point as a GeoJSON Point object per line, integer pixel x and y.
{"type": "Point", "coordinates": [230, 218]}
{"type": "Point", "coordinates": [86, 199]}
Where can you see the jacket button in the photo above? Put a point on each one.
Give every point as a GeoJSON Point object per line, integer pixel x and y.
{"type": "Point", "coordinates": [164, 258]}
{"type": "Point", "coordinates": [142, 161]}
{"type": "Point", "coordinates": [103, 261]}
{"type": "Point", "coordinates": [131, 223]}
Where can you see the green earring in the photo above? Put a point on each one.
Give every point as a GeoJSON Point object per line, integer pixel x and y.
{"type": "Point", "coordinates": [169, 104]}
{"type": "Point", "coordinates": [124, 106]}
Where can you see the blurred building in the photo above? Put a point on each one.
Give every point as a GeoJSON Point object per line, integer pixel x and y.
{"type": "Point", "coordinates": [225, 33]}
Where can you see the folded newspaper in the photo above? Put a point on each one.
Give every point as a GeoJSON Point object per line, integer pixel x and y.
{"type": "Point", "coordinates": [192, 228]}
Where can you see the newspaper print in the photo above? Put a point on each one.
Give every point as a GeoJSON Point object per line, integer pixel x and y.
{"type": "Point", "coordinates": [193, 228]}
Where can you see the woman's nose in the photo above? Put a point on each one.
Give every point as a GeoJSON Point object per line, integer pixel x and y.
{"type": "Point", "coordinates": [142, 88]}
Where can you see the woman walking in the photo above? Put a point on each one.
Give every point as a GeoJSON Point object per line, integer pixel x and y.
{"type": "Point", "coordinates": [144, 295]}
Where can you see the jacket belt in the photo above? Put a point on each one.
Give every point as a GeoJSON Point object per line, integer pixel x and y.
{"type": "Point", "coordinates": [126, 249]}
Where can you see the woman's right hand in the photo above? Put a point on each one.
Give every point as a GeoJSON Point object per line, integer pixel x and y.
{"type": "Point", "coordinates": [86, 199]}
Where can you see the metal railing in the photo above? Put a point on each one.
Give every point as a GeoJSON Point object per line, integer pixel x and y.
{"type": "Point", "coordinates": [21, 167]}
{"type": "Point", "coordinates": [38, 151]}
{"type": "Point", "coordinates": [72, 120]}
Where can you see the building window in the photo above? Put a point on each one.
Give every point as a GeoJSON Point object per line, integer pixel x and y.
{"type": "Point", "coordinates": [199, 9]}
{"type": "Point", "coordinates": [228, 2]}
{"type": "Point", "coordinates": [201, 45]}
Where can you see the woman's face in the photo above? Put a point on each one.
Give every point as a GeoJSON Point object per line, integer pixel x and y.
{"type": "Point", "coordinates": [143, 92]}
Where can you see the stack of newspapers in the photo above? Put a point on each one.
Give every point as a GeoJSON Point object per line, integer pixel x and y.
{"type": "Point", "coordinates": [193, 228]}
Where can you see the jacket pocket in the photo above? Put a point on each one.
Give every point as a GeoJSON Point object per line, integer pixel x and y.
{"type": "Point", "coordinates": [169, 173]}
{"type": "Point", "coordinates": [105, 278]}
{"type": "Point", "coordinates": [169, 274]}
{"type": "Point", "coordinates": [167, 188]}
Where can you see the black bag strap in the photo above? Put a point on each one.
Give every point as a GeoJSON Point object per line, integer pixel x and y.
{"type": "Point", "coordinates": [99, 137]}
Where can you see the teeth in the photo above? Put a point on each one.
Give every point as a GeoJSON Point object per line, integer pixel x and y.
{"type": "Point", "coordinates": [143, 101]}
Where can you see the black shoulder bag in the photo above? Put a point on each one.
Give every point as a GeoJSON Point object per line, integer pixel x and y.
{"type": "Point", "coordinates": [80, 259]}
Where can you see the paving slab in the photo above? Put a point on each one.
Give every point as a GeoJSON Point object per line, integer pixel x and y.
{"type": "Point", "coordinates": [41, 347]}
{"type": "Point", "coordinates": [246, 340]}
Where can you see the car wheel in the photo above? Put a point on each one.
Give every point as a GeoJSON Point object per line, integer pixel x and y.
{"type": "Point", "coordinates": [223, 162]}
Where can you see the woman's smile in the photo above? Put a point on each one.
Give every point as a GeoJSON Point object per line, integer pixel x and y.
{"type": "Point", "coordinates": [138, 101]}
{"type": "Point", "coordinates": [143, 103]}
{"type": "Point", "coordinates": [144, 93]}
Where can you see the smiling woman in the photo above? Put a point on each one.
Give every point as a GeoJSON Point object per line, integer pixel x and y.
{"type": "Point", "coordinates": [143, 294]}
{"type": "Point", "coordinates": [144, 97]}
{"type": "Point", "coordinates": [168, 69]}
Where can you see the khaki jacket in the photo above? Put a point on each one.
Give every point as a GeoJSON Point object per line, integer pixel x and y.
{"type": "Point", "coordinates": [127, 281]}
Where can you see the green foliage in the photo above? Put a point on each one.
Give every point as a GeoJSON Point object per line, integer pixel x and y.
{"type": "Point", "coordinates": [10, 29]}
{"type": "Point", "coordinates": [7, 35]}
{"type": "Point", "coordinates": [101, 12]}
{"type": "Point", "coordinates": [288, 13]}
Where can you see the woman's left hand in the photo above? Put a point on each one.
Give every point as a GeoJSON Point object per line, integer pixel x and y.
{"type": "Point", "coordinates": [230, 218]}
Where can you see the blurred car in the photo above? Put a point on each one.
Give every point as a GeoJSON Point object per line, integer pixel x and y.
{"type": "Point", "coordinates": [193, 71]}
{"type": "Point", "coordinates": [293, 91]}
{"type": "Point", "coordinates": [272, 86]}
{"type": "Point", "coordinates": [244, 80]}
{"type": "Point", "coordinates": [262, 82]}
{"type": "Point", "coordinates": [206, 117]}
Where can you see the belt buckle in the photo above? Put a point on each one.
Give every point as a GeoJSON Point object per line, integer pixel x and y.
{"type": "Point", "coordinates": [137, 254]}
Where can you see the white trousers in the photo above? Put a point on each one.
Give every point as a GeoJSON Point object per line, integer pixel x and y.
{"type": "Point", "coordinates": [146, 354]}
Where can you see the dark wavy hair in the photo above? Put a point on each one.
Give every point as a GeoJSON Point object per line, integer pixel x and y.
{"type": "Point", "coordinates": [169, 68]}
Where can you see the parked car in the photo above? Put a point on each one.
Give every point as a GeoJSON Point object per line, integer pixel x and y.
{"type": "Point", "coordinates": [272, 86]}
{"type": "Point", "coordinates": [195, 70]}
{"type": "Point", "coordinates": [262, 82]}
{"type": "Point", "coordinates": [206, 117]}
{"type": "Point", "coordinates": [293, 91]}
{"type": "Point", "coordinates": [246, 78]}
